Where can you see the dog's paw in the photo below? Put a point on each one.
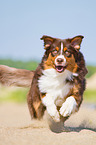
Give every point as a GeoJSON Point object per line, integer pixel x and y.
{"type": "Point", "coordinates": [52, 111]}
{"type": "Point", "coordinates": [68, 107]}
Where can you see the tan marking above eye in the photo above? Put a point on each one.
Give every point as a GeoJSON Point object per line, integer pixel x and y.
{"type": "Point", "coordinates": [65, 48]}
{"type": "Point", "coordinates": [57, 48]}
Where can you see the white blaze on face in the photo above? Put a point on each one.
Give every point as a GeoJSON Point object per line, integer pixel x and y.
{"type": "Point", "coordinates": [61, 56]}
{"type": "Point", "coordinates": [61, 48]}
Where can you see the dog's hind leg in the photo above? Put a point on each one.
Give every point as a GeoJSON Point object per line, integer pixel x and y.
{"type": "Point", "coordinates": [36, 108]}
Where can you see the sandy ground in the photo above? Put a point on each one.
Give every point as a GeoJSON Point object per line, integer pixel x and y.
{"type": "Point", "coordinates": [17, 128]}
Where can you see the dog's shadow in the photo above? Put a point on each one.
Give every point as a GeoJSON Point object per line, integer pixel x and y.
{"type": "Point", "coordinates": [59, 127]}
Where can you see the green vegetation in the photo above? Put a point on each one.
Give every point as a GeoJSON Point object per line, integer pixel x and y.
{"type": "Point", "coordinates": [91, 70]}
{"type": "Point", "coordinates": [90, 96]}
{"type": "Point", "coordinates": [13, 94]}
{"type": "Point", "coordinates": [29, 65]}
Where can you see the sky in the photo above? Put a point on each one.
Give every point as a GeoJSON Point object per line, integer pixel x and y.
{"type": "Point", "coordinates": [23, 22]}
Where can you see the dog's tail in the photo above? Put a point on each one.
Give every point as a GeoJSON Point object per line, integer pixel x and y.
{"type": "Point", "coordinates": [10, 76]}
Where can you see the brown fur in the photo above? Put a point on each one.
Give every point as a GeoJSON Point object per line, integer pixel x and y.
{"type": "Point", "coordinates": [36, 108]}
{"type": "Point", "coordinates": [75, 64]}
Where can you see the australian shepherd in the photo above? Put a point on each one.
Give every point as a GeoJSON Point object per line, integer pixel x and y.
{"type": "Point", "coordinates": [57, 84]}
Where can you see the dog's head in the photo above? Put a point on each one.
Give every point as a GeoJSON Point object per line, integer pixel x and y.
{"type": "Point", "coordinates": [61, 54]}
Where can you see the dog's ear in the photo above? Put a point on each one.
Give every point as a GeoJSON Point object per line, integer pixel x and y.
{"type": "Point", "coordinates": [47, 41]}
{"type": "Point", "coordinates": [76, 42]}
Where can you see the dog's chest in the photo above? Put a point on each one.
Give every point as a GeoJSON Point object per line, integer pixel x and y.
{"type": "Point", "coordinates": [54, 83]}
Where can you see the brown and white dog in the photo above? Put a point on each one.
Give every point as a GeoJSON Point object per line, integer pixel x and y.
{"type": "Point", "coordinates": [58, 82]}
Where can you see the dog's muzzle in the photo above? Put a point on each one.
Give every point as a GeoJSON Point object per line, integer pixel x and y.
{"type": "Point", "coordinates": [60, 63]}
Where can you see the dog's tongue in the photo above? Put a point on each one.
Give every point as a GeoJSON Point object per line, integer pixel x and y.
{"type": "Point", "coordinates": [59, 68]}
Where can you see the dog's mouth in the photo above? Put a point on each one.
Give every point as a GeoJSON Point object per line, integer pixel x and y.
{"type": "Point", "coordinates": [60, 68]}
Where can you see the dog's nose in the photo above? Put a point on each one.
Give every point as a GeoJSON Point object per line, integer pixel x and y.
{"type": "Point", "coordinates": [60, 60]}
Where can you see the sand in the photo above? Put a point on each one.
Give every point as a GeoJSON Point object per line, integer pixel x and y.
{"type": "Point", "coordinates": [17, 128]}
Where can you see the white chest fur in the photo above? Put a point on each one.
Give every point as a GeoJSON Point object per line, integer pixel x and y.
{"type": "Point", "coordinates": [54, 84]}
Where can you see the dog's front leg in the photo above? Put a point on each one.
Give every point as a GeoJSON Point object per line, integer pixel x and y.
{"type": "Point", "coordinates": [68, 107]}
{"type": "Point", "coordinates": [48, 101]}
{"type": "Point", "coordinates": [73, 102]}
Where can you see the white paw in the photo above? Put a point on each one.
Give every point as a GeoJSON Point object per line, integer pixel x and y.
{"type": "Point", "coordinates": [52, 111]}
{"type": "Point", "coordinates": [68, 107]}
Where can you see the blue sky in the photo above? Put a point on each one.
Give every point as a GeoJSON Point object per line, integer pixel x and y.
{"type": "Point", "coordinates": [22, 23]}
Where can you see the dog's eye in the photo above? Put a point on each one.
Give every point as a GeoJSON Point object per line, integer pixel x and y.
{"type": "Point", "coordinates": [67, 53]}
{"type": "Point", "coordinates": [54, 52]}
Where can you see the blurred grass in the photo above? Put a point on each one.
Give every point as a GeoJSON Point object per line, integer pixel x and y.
{"type": "Point", "coordinates": [90, 96]}
{"type": "Point", "coordinates": [91, 70]}
{"type": "Point", "coordinates": [29, 65]}
{"type": "Point", "coordinates": [18, 95]}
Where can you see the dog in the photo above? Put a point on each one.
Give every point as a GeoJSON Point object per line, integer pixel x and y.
{"type": "Point", "coordinates": [58, 83]}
